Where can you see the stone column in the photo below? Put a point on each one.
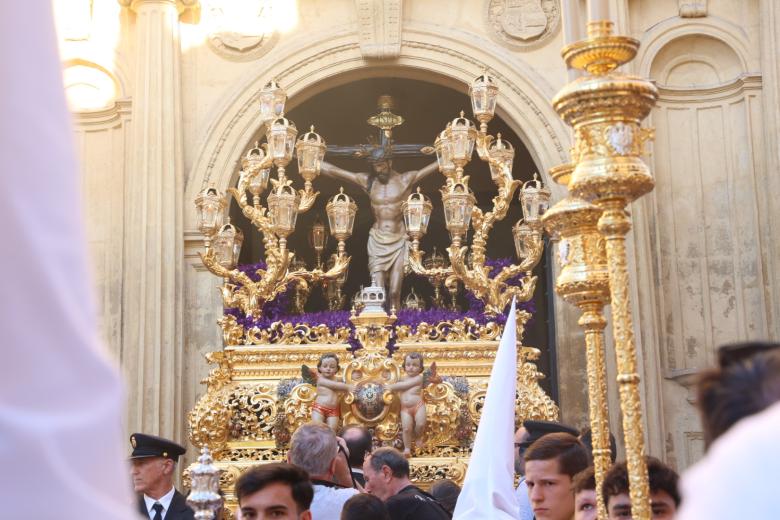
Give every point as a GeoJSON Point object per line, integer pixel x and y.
{"type": "Point", "coordinates": [769, 182]}
{"type": "Point", "coordinates": [153, 260]}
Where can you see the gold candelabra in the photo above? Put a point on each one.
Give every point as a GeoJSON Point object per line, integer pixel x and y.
{"type": "Point", "coordinates": [276, 221]}
{"type": "Point", "coordinates": [454, 148]}
{"type": "Point", "coordinates": [606, 109]}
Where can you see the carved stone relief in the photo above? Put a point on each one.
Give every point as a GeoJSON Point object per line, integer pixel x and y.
{"type": "Point", "coordinates": [379, 28]}
{"type": "Point", "coordinates": [692, 9]}
{"type": "Point", "coordinates": [523, 23]}
{"type": "Point", "coordinates": [250, 39]}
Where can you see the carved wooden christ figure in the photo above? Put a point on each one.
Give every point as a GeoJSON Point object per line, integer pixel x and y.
{"type": "Point", "coordinates": [387, 241]}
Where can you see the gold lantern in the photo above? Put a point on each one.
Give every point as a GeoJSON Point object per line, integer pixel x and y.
{"type": "Point", "coordinates": [341, 210]}
{"type": "Point", "coordinates": [535, 198]}
{"type": "Point", "coordinates": [443, 147]}
{"type": "Point", "coordinates": [283, 209]}
{"type": "Point", "coordinates": [484, 94]}
{"type": "Point", "coordinates": [272, 101]}
{"type": "Point", "coordinates": [502, 154]}
{"type": "Point", "coordinates": [417, 213]}
{"type": "Point", "coordinates": [458, 201]}
{"type": "Point", "coordinates": [310, 150]}
{"type": "Point", "coordinates": [463, 135]}
{"type": "Point", "coordinates": [210, 204]}
{"type": "Point", "coordinates": [253, 159]}
{"type": "Point", "coordinates": [227, 245]}
{"type": "Point", "coordinates": [281, 142]}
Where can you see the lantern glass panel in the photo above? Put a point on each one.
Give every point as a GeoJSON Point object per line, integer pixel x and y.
{"type": "Point", "coordinates": [259, 182]}
{"type": "Point", "coordinates": [522, 233]}
{"type": "Point", "coordinates": [444, 153]}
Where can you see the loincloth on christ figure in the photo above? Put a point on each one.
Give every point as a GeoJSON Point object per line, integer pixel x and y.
{"type": "Point", "coordinates": [385, 248]}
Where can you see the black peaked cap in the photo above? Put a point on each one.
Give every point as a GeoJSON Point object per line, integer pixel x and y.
{"type": "Point", "coordinates": [152, 446]}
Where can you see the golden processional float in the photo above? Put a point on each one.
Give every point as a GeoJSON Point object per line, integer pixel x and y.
{"type": "Point", "coordinates": [255, 395]}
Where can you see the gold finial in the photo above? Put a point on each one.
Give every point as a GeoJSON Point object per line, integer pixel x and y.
{"type": "Point", "coordinates": [462, 113]}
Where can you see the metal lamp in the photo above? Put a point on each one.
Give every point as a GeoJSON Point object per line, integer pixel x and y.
{"type": "Point", "coordinates": [484, 94]}
{"type": "Point", "coordinates": [417, 213]}
{"type": "Point", "coordinates": [463, 135]}
{"type": "Point", "coordinates": [458, 201]}
{"type": "Point", "coordinates": [251, 162]}
{"type": "Point", "coordinates": [310, 150]}
{"type": "Point", "coordinates": [227, 245]}
{"type": "Point", "coordinates": [501, 154]}
{"type": "Point", "coordinates": [535, 199]}
{"type": "Point", "coordinates": [318, 238]}
{"type": "Point", "coordinates": [443, 147]}
{"type": "Point", "coordinates": [283, 209]}
{"type": "Point", "coordinates": [281, 142]}
{"type": "Point", "coordinates": [210, 205]}
{"type": "Point", "coordinates": [272, 101]}
{"type": "Point", "coordinates": [341, 210]}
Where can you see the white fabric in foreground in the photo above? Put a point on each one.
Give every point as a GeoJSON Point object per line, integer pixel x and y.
{"type": "Point", "coordinates": [738, 476]}
{"type": "Point", "coordinates": [61, 440]}
{"type": "Point", "coordinates": [488, 489]}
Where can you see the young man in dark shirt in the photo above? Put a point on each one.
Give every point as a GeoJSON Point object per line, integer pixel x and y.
{"type": "Point", "coordinates": [387, 477]}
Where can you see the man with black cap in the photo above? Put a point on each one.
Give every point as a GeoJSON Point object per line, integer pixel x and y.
{"type": "Point", "coordinates": [529, 432]}
{"type": "Point", "coordinates": [154, 462]}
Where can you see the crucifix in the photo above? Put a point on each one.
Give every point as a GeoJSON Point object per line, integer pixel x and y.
{"type": "Point", "coordinates": [387, 189]}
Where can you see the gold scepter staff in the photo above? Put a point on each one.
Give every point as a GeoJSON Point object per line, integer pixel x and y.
{"type": "Point", "coordinates": [606, 109]}
{"type": "Point", "coordinates": [584, 282]}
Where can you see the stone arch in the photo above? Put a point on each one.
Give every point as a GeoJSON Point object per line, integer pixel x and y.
{"type": "Point", "coordinates": [102, 82]}
{"type": "Point", "coordinates": [700, 32]}
{"type": "Point", "coordinates": [305, 68]}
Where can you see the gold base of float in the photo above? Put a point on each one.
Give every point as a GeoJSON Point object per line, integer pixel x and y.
{"type": "Point", "coordinates": [256, 398]}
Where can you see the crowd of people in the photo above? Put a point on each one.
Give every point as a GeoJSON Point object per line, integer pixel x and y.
{"type": "Point", "coordinates": [344, 477]}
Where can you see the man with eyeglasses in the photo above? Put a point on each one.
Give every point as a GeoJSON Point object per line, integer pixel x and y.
{"type": "Point", "coordinates": [529, 432]}
{"type": "Point", "coordinates": [315, 448]}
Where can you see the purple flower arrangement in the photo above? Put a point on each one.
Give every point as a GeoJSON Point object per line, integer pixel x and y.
{"type": "Point", "coordinates": [278, 310]}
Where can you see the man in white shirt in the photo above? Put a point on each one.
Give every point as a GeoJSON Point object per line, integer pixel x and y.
{"type": "Point", "coordinates": [315, 448]}
{"type": "Point", "coordinates": [153, 466]}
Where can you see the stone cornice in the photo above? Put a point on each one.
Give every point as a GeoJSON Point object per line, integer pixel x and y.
{"type": "Point", "coordinates": [181, 5]}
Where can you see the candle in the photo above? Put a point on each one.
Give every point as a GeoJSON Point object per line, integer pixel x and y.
{"type": "Point", "coordinates": [598, 10]}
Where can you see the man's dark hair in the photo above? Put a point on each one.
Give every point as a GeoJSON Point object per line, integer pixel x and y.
{"type": "Point", "coordinates": [256, 478]}
{"type": "Point", "coordinates": [732, 353]}
{"type": "Point", "coordinates": [585, 480]}
{"type": "Point", "coordinates": [566, 448]}
{"type": "Point", "coordinates": [362, 506]}
{"type": "Point", "coordinates": [742, 388]}
{"type": "Point", "coordinates": [446, 492]}
{"type": "Point", "coordinates": [358, 446]}
{"type": "Point", "coordinates": [660, 476]}
{"type": "Point", "coordinates": [586, 438]}
{"type": "Point", "coordinates": [393, 459]}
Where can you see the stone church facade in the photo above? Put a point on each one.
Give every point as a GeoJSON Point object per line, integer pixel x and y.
{"type": "Point", "coordinates": [164, 94]}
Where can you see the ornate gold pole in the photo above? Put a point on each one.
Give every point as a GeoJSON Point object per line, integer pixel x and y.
{"type": "Point", "coordinates": [584, 282]}
{"type": "Point", "coordinates": [606, 109]}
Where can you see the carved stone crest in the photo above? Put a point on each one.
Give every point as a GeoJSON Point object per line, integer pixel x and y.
{"type": "Point", "coordinates": [241, 30]}
{"type": "Point", "coordinates": [523, 23]}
